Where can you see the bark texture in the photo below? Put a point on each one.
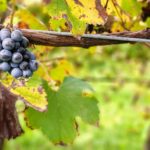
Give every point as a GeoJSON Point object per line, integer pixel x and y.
{"type": "Point", "coordinates": [50, 38]}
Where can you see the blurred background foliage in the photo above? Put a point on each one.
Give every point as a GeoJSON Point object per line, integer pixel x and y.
{"type": "Point", "coordinates": [119, 74]}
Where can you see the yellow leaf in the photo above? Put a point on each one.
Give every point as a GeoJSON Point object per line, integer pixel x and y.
{"type": "Point", "coordinates": [31, 91]}
{"type": "Point", "coordinates": [91, 12]}
{"type": "Point", "coordinates": [26, 16]}
{"type": "Point", "coordinates": [32, 96]}
{"type": "Point", "coordinates": [63, 69]}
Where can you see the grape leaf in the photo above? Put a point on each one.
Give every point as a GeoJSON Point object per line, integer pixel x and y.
{"type": "Point", "coordinates": [61, 70]}
{"type": "Point", "coordinates": [92, 12]}
{"type": "Point", "coordinates": [77, 13]}
{"type": "Point", "coordinates": [58, 10]}
{"type": "Point", "coordinates": [24, 15]}
{"type": "Point", "coordinates": [31, 92]}
{"type": "Point", "coordinates": [131, 6]}
{"type": "Point", "coordinates": [74, 98]}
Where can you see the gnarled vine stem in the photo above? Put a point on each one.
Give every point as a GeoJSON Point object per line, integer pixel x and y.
{"type": "Point", "coordinates": [51, 38]}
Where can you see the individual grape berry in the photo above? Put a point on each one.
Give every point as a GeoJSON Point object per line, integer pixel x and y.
{"type": "Point", "coordinates": [21, 50]}
{"type": "Point", "coordinates": [14, 65]}
{"type": "Point", "coordinates": [27, 73]}
{"type": "Point", "coordinates": [4, 66]}
{"type": "Point", "coordinates": [17, 45]}
{"type": "Point", "coordinates": [5, 55]}
{"type": "Point", "coordinates": [5, 33]}
{"type": "Point", "coordinates": [33, 65]}
{"type": "Point", "coordinates": [1, 46]}
{"type": "Point", "coordinates": [25, 42]}
{"type": "Point", "coordinates": [5, 29]}
{"type": "Point", "coordinates": [17, 57]}
{"type": "Point", "coordinates": [24, 65]}
{"type": "Point", "coordinates": [16, 35]}
{"type": "Point", "coordinates": [31, 55]}
{"type": "Point", "coordinates": [16, 73]}
{"type": "Point", "coordinates": [26, 57]}
{"type": "Point", "coordinates": [8, 44]}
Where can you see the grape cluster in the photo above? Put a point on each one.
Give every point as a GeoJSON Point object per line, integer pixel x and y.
{"type": "Point", "coordinates": [14, 57]}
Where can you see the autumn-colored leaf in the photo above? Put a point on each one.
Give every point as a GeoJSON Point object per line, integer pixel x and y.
{"type": "Point", "coordinates": [77, 13]}
{"type": "Point", "coordinates": [24, 15]}
{"type": "Point", "coordinates": [31, 92]}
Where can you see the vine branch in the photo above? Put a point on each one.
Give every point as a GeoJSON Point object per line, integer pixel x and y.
{"type": "Point", "coordinates": [51, 38]}
{"type": "Point", "coordinates": [57, 39]}
{"type": "Point", "coordinates": [1, 143]}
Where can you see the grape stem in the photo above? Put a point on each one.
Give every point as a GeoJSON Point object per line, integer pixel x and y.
{"type": "Point", "coordinates": [12, 13]}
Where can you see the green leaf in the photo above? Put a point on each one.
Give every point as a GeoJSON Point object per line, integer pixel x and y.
{"type": "Point", "coordinates": [148, 22]}
{"type": "Point", "coordinates": [74, 98]}
{"type": "Point", "coordinates": [134, 5]}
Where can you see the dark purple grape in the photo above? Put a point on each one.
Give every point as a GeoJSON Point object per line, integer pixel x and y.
{"type": "Point", "coordinates": [31, 55]}
{"type": "Point", "coordinates": [21, 50]}
{"type": "Point", "coordinates": [16, 35]}
{"type": "Point", "coordinates": [8, 44]}
{"type": "Point", "coordinates": [17, 57]}
{"type": "Point", "coordinates": [26, 57]}
{"type": "Point", "coordinates": [5, 55]}
{"type": "Point", "coordinates": [33, 65]}
{"type": "Point", "coordinates": [14, 65]}
{"type": "Point", "coordinates": [25, 42]}
{"type": "Point", "coordinates": [27, 73]}
{"type": "Point", "coordinates": [1, 46]}
{"type": "Point", "coordinates": [24, 65]}
{"type": "Point", "coordinates": [17, 45]}
{"type": "Point", "coordinates": [4, 66]}
{"type": "Point", "coordinates": [5, 33]}
{"type": "Point", "coordinates": [16, 73]}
